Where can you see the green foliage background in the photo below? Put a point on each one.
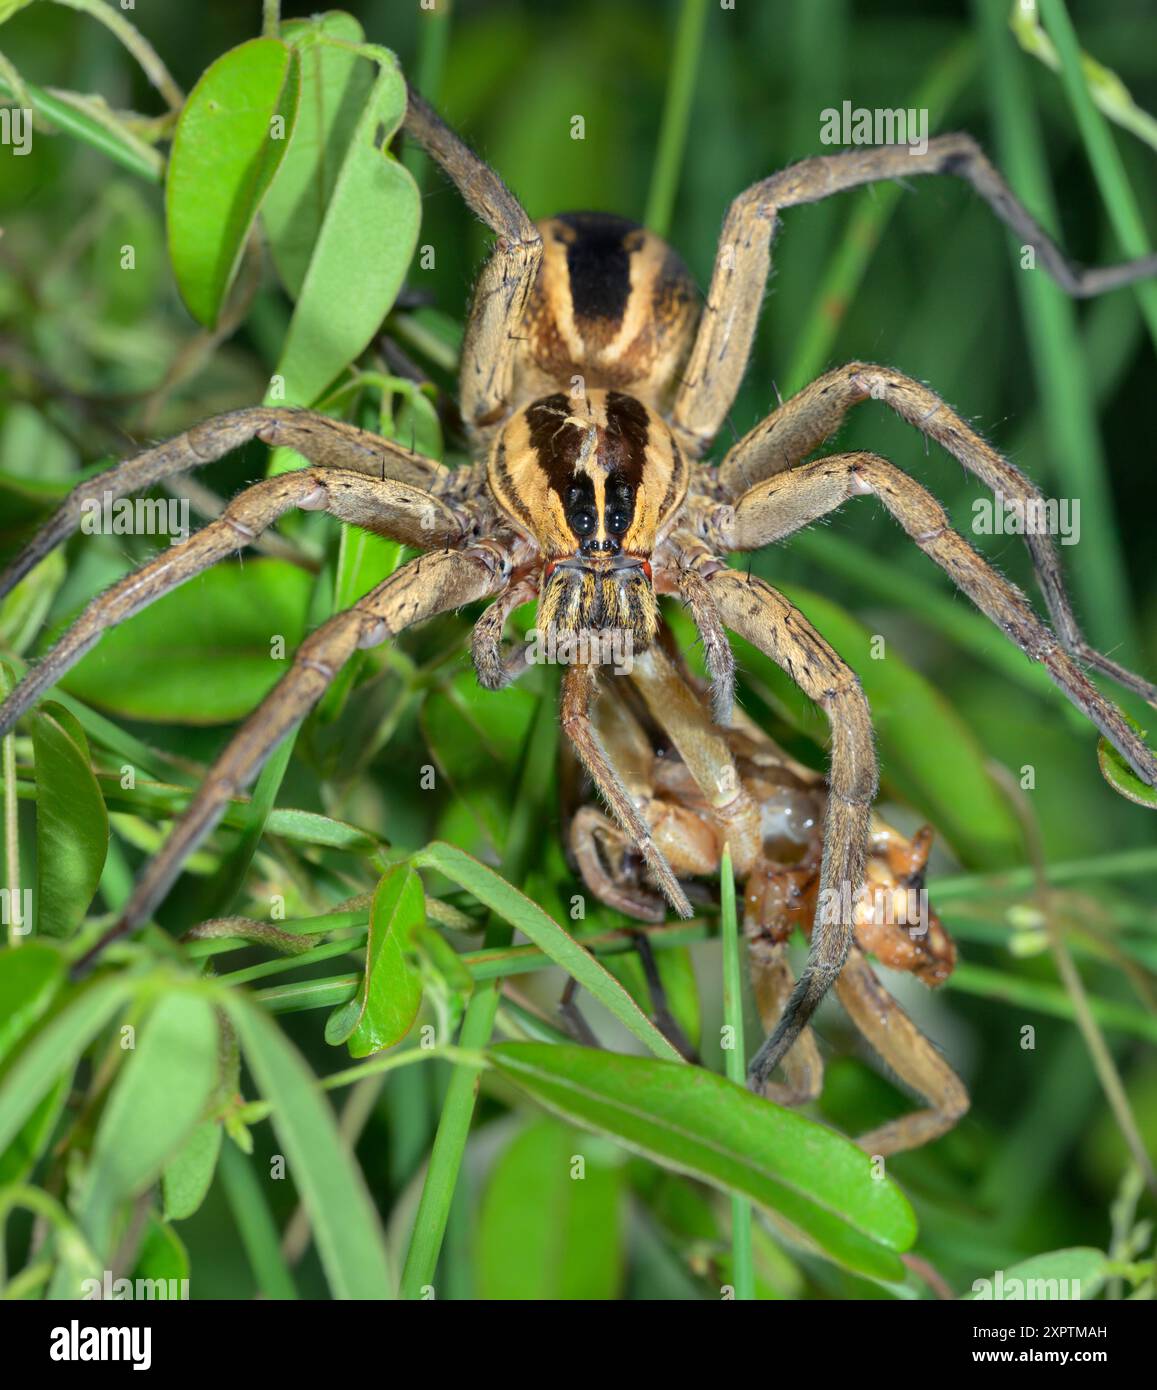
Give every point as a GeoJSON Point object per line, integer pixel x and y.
{"type": "Point", "coordinates": [94, 361]}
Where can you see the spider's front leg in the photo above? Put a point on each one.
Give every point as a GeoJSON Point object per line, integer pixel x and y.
{"type": "Point", "coordinates": [743, 261]}
{"type": "Point", "coordinates": [489, 352]}
{"type": "Point", "coordinates": [428, 585]}
{"type": "Point", "coordinates": [325, 442]}
{"type": "Point", "coordinates": [396, 509]}
{"type": "Point", "coordinates": [579, 690]}
{"type": "Point", "coordinates": [757, 612]}
{"type": "Point", "coordinates": [789, 501]}
{"type": "Point", "coordinates": [804, 422]}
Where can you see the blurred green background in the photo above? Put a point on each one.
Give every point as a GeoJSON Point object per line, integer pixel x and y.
{"type": "Point", "coordinates": [922, 278]}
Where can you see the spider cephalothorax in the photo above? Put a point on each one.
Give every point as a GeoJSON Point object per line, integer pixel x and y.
{"type": "Point", "coordinates": [591, 384]}
{"type": "Point", "coordinates": [596, 478]}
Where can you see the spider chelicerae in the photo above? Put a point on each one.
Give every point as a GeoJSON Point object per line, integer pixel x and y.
{"type": "Point", "coordinates": [593, 379]}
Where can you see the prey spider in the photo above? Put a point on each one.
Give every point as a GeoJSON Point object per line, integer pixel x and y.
{"type": "Point", "coordinates": [676, 764]}
{"type": "Point", "coordinates": [593, 379]}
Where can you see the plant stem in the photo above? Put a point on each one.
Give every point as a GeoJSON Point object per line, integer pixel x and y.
{"type": "Point", "coordinates": [1105, 158]}
{"type": "Point", "coordinates": [735, 1062]}
{"type": "Point", "coordinates": [676, 116]}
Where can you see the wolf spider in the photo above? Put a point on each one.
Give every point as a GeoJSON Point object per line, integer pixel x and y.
{"type": "Point", "coordinates": [593, 379]}
{"type": "Point", "coordinates": [701, 787]}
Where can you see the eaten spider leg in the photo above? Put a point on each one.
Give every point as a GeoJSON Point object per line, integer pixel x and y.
{"type": "Point", "coordinates": [743, 261]}
{"type": "Point", "coordinates": [427, 585]}
{"type": "Point", "coordinates": [757, 612]}
{"type": "Point", "coordinates": [913, 1058]}
{"type": "Point", "coordinates": [578, 691]}
{"type": "Point", "coordinates": [394, 508]}
{"type": "Point", "coordinates": [678, 711]}
{"type": "Point", "coordinates": [325, 442]}
{"type": "Point", "coordinates": [792, 500]}
{"type": "Point", "coordinates": [486, 378]}
{"type": "Point", "coordinates": [797, 429]}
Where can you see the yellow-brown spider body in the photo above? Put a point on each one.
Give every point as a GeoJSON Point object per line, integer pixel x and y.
{"type": "Point", "coordinates": [591, 384]}
{"type": "Point", "coordinates": [613, 306]}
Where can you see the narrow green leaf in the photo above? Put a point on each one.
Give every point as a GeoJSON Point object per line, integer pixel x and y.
{"type": "Point", "coordinates": [71, 822]}
{"type": "Point", "coordinates": [232, 135]}
{"type": "Point", "coordinates": [517, 909]}
{"type": "Point", "coordinates": [387, 1003]}
{"type": "Point", "coordinates": [349, 1236]}
{"type": "Point", "coordinates": [698, 1123]}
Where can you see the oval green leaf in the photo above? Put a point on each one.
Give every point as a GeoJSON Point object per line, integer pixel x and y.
{"type": "Point", "coordinates": [1120, 776]}
{"type": "Point", "coordinates": [158, 1097]}
{"type": "Point", "coordinates": [546, 1230]}
{"type": "Point", "coordinates": [693, 1121]}
{"type": "Point", "coordinates": [71, 822]}
{"type": "Point", "coordinates": [387, 1003]}
{"type": "Point", "coordinates": [362, 251]}
{"type": "Point", "coordinates": [232, 135]}
{"type": "Point", "coordinates": [335, 84]}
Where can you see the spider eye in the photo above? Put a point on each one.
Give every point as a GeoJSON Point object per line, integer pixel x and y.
{"type": "Point", "coordinates": [618, 519]}
{"type": "Point", "coordinates": [583, 523]}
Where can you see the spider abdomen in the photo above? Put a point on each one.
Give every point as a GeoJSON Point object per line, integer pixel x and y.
{"type": "Point", "coordinates": [612, 304]}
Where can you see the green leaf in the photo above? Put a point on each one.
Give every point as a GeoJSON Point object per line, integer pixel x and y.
{"type": "Point", "coordinates": [1119, 775]}
{"type": "Point", "coordinates": [189, 1173]}
{"type": "Point", "coordinates": [162, 1256]}
{"type": "Point", "coordinates": [204, 653]}
{"type": "Point", "coordinates": [335, 85]}
{"type": "Point", "coordinates": [350, 1240]}
{"type": "Point", "coordinates": [701, 1124]}
{"type": "Point", "coordinates": [226, 149]}
{"type": "Point", "coordinates": [517, 909]}
{"type": "Point", "coordinates": [158, 1097]}
{"type": "Point", "coordinates": [548, 1227]}
{"type": "Point", "coordinates": [71, 822]}
{"type": "Point", "coordinates": [387, 1003]}
{"type": "Point", "coordinates": [30, 975]}
{"type": "Point", "coordinates": [55, 1050]}
{"type": "Point", "coordinates": [1084, 1269]}
{"type": "Point", "coordinates": [362, 251]}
